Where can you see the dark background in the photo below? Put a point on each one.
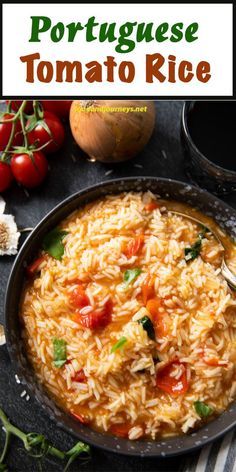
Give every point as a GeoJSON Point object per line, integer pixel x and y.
{"type": "Point", "coordinates": [70, 171]}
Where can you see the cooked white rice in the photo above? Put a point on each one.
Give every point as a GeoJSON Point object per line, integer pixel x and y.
{"type": "Point", "coordinates": [120, 388]}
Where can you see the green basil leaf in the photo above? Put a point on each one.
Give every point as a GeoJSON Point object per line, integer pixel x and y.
{"type": "Point", "coordinates": [202, 409]}
{"type": "Point", "coordinates": [59, 352]}
{"type": "Point", "coordinates": [147, 325]}
{"type": "Point", "coordinates": [130, 275]}
{"type": "Point", "coordinates": [193, 251]}
{"type": "Point", "coordinates": [52, 243]}
{"type": "Point", "coordinates": [119, 344]}
{"type": "Point", "coordinates": [204, 231]}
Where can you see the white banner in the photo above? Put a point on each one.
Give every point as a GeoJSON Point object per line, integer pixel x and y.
{"type": "Point", "coordinates": [117, 50]}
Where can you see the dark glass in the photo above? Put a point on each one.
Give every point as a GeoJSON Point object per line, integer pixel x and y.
{"type": "Point", "coordinates": [208, 132]}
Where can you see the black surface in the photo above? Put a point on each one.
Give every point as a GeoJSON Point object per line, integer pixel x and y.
{"type": "Point", "coordinates": [66, 177]}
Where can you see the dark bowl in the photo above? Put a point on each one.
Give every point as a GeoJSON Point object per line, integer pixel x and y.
{"type": "Point", "coordinates": [223, 214]}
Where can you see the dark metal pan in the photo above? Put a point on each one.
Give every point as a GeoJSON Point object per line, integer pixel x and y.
{"type": "Point", "coordinates": [224, 215]}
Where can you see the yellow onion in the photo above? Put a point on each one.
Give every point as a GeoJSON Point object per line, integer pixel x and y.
{"type": "Point", "coordinates": [111, 136]}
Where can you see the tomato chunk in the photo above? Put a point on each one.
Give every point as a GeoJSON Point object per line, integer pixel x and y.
{"type": "Point", "coordinates": [79, 376]}
{"type": "Point", "coordinates": [169, 384]}
{"type": "Point", "coordinates": [78, 297]}
{"type": "Point", "coordinates": [80, 418]}
{"type": "Point", "coordinates": [98, 318]}
{"type": "Point", "coordinates": [33, 268]}
{"type": "Point", "coordinates": [151, 206]}
{"type": "Point", "coordinates": [160, 318]}
{"type": "Point", "coordinates": [121, 430]}
{"type": "Point", "coordinates": [161, 324]}
{"type": "Point", "coordinates": [148, 290]}
{"type": "Point", "coordinates": [134, 246]}
{"type": "Point", "coordinates": [73, 281]}
{"type": "Point", "coordinates": [153, 306]}
{"type": "Point", "coordinates": [213, 361]}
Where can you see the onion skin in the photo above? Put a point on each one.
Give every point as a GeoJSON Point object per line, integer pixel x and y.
{"type": "Point", "coordinates": [111, 136]}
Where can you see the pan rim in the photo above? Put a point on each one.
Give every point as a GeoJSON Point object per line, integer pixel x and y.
{"type": "Point", "coordinates": [96, 438]}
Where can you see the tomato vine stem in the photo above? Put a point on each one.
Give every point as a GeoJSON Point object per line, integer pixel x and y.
{"type": "Point", "coordinates": [13, 120]}
{"type": "Point", "coordinates": [20, 115]}
{"type": "Point", "coordinates": [32, 441]}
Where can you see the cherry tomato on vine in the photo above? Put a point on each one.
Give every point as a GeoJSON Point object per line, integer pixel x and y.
{"type": "Point", "coordinates": [15, 105]}
{"type": "Point", "coordinates": [6, 176]}
{"type": "Point", "coordinates": [5, 131]}
{"type": "Point", "coordinates": [61, 108]}
{"type": "Point", "coordinates": [40, 135]}
{"type": "Point", "coordinates": [29, 169]}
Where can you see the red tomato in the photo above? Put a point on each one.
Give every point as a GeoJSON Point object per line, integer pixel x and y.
{"type": "Point", "coordinates": [79, 376]}
{"type": "Point", "coordinates": [40, 136]}
{"type": "Point", "coordinates": [78, 297]}
{"type": "Point", "coordinates": [121, 430]}
{"type": "Point", "coordinates": [98, 318]}
{"type": "Point", "coordinates": [30, 172]}
{"type": "Point", "coordinates": [61, 108]}
{"type": "Point", "coordinates": [15, 105]}
{"type": "Point", "coordinates": [6, 176]}
{"type": "Point", "coordinates": [79, 417]}
{"type": "Point", "coordinates": [33, 268]}
{"type": "Point", "coordinates": [151, 206]}
{"type": "Point", "coordinates": [73, 281]}
{"type": "Point", "coordinates": [159, 318]}
{"type": "Point", "coordinates": [213, 361]}
{"type": "Point", "coordinates": [170, 384]}
{"type": "Point", "coordinates": [134, 246]}
{"type": "Point", "coordinates": [5, 132]}
{"type": "Point", "coordinates": [153, 306]}
{"type": "Point", "coordinates": [160, 322]}
{"type": "Point", "coordinates": [148, 290]}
